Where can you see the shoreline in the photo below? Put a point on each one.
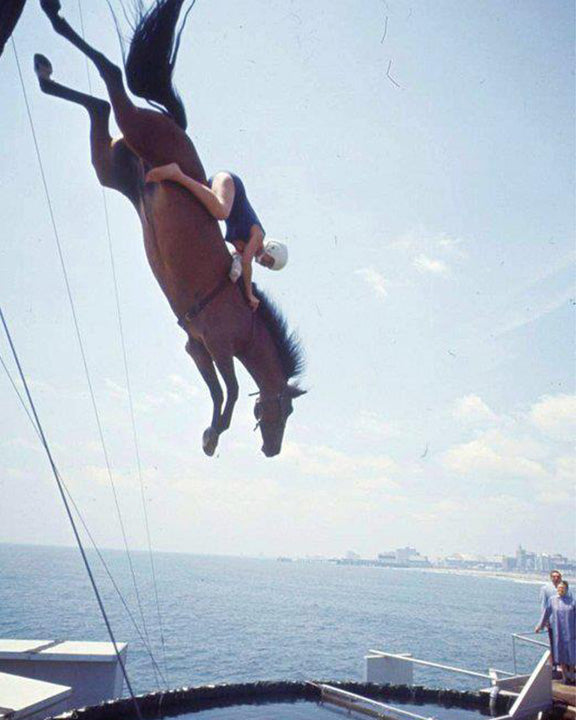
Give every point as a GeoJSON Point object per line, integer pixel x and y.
{"type": "Point", "coordinates": [528, 578]}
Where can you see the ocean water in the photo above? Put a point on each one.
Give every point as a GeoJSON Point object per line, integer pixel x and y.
{"type": "Point", "coordinates": [241, 619]}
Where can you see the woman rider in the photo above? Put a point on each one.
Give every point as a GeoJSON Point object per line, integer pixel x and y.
{"type": "Point", "coordinates": [225, 199]}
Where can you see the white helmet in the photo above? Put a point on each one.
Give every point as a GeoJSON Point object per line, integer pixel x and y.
{"type": "Point", "coordinates": [278, 251]}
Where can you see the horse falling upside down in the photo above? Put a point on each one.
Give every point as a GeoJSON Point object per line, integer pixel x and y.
{"type": "Point", "coordinates": [183, 242]}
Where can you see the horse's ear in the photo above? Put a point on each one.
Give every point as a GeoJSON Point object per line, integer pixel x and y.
{"type": "Point", "coordinates": [294, 391]}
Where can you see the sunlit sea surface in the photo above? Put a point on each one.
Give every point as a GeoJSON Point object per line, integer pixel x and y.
{"type": "Point", "coordinates": [242, 619]}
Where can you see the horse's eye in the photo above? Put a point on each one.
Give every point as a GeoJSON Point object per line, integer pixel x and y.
{"type": "Point", "coordinates": [258, 411]}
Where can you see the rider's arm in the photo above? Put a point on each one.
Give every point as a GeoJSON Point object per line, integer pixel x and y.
{"type": "Point", "coordinates": [253, 246]}
{"type": "Point", "coordinates": [217, 200]}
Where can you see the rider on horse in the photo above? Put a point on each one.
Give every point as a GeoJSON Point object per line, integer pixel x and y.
{"type": "Point", "coordinates": [225, 199]}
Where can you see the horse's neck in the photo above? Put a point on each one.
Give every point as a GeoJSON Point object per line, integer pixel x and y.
{"type": "Point", "coordinates": [263, 363]}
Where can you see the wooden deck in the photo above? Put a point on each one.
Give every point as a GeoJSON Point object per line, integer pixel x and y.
{"type": "Point", "coordinates": [565, 695]}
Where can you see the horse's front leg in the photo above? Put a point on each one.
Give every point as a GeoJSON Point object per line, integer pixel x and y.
{"type": "Point", "coordinates": [205, 365]}
{"type": "Point", "coordinates": [225, 365]}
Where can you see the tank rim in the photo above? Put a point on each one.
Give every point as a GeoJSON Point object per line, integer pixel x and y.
{"type": "Point", "coordinates": [174, 702]}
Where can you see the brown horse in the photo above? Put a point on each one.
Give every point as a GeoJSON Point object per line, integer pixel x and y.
{"type": "Point", "coordinates": [10, 11]}
{"type": "Point", "coordinates": [184, 246]}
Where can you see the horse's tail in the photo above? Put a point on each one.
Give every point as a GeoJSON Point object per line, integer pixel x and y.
{"type": "Point", "coordinates": [152, 55]}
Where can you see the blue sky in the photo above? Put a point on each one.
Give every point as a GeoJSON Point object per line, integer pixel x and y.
{"type": "Point", "coordinates": [418, 159]}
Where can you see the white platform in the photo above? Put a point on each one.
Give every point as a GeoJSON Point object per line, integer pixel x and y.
{"type": "Point", "coordinates": [59, 650]}
{"type": "Point", "coordinates": [22, 698]}
{"type": "Point", "coordinates": [90, 669]}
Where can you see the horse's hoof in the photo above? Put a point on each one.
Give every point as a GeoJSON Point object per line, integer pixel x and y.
{"type": "Point", "coordinates": [210, 441]}
{"type": "Point", "coordinates": [51, 7]}
{"type": "Point", "coordinates": [42, 67]}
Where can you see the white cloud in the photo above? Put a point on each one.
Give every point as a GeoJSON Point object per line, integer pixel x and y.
{"type": "Point", "coordinates": [369, 423]}
{"type": "Point", "coordinates": [482, 457]}
{"type": "Point", "coordinates": [422, 240]}
{"type": "Point", "coordinates": [566, 469]}
{"type": "Point", "coordinates": [24, 444]}
{"type": "Point", "coordinates": [517, 318]}
{"type": "Point", "coordinates": [558, 496]}
{"type": "Point", "coordinates": [375, 280]}
{"type": "Point", "coordinates": [450, 243]}
{"type": "Point", "coordinates": [175, 390]}
{"type": "Point", "coordinates": [472, 409]}
{"type": "Point", "coordinates": [324, 461]}
{"type": "Point", "coordinates": [511, 449]}
{"type": "Point", "coordinates": [429, 252]}
{"type": "Point", "coordinates": [551, 289]}
{"type": "Point", "coordinates": [555, 416]}
{"type": "Point", "coordinates": [98, 475]}
{"type": "Point", "coordinates": [558, 488]}
{"type": "Point", "coordinates": [440, 511]}
{"type": "Point", "coordinates": [425, 264]}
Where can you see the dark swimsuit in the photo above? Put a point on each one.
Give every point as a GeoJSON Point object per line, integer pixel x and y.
{"type": "Point", "coordinates": [242, 215]}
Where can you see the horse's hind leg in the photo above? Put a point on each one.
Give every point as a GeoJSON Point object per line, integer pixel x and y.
{"type": "Point", "coordinates": [205, 365]}
{"type": "Point", "coordinates": [110, 73]}
{"type": "Point", "coordinates": [154, 137]}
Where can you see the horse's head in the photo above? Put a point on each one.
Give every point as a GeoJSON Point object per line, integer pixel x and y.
{"type": "Point", "coordinates": [271, 412]}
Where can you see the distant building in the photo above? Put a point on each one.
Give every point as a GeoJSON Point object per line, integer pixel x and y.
{"type": "Point", "coordinates": [403, 557]}
{"type": "Point", "coordinates": [508, 563]}
{"type": "Point", "coordinates": [472, 562]}
{"type": "Point", "coordinates": [543, 563]}
{"type": "Point", "coordinates": [526, 562]}
{"type": "Point", "coordinates": [523, 561]}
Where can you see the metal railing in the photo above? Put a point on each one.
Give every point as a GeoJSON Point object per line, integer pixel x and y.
{"type": "Point", "coordinates": [353, 702]}
{"type": "Point", "coordinates": [516, 637]}
{"type": "Point", "coordinates": [428, 663]}
{"type": "Point", "coordinates": [524, 637]}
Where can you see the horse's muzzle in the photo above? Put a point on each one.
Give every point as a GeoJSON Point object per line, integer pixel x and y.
{"type": "Point", "coordinates": [271, 451]}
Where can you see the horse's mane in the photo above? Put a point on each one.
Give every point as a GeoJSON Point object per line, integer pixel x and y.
{"type": "Point", "coordinates": [152, 55]}
{"type": "Point", "coordinates": [288, 344]}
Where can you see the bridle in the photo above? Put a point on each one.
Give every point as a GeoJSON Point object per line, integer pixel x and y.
{"type": "Point", "coordinates": [279, 398]}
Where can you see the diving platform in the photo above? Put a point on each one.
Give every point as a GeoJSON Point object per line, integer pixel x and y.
{"type": "Point", "coordinates": [532, 693]}
{"type": "Point", "coordinates": [73, 674]}
{"type": "Point", "coordinates": [25, 699]}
